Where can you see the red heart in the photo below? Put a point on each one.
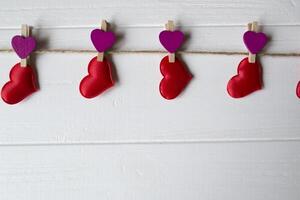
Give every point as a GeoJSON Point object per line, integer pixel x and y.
{"type": "Point", "coordinates": [176, 77]}
{"type": "Point", "coordinates": [247, 80]}
{"type": "Point", "coordinates": [98, 80]}
{"type": "Point", "coordinates": [298, 89]}
{"type": "Point", "coordinates": [22, 83]}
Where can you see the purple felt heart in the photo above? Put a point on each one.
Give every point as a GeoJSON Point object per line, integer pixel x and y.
{"type": "Point", "coordinates": [255, 41]}
{"type": "Point", "coordinates": [23, 46]}
{"type": "Point", "coordinates": [102, 40]}
{"type": "Point", "coordinates": [171, 40]}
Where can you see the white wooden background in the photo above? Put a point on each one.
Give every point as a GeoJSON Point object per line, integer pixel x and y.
{"type": "Point", "coordinates": [130, 143]}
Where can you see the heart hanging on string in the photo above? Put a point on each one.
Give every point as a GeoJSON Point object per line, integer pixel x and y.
{"type": "Point", "coordinates": [22, 84]}
{"type": "Point", "coordinates": [98, 80]}
{"type": "Point", "coordinates": [247, 80]}
{"type": "Point", "coordinates": [175, 78]}
{"type": "Point", "coordinates": [298, 89]}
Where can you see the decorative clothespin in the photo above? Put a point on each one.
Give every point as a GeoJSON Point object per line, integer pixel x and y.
{"type": "Point", "coordinates": [170, 27]}
{"type": "Point", "coordinates": [22, 77]}
{"type": "Point", "coordinates": [24, 44]}
{"type": "Point", "coordinates": [25, 31]}
{"type": "Point", "coordinates": [100, 77]}
{"type": "Point", "coordinates": [171, 39]}
{"type": "Point", "coordinates": [254, 41]}
{"type": "Point", "coordinates": [252, 27]}
{"type": "Point", "coordinates": [176, 76]}
{"type": "Point", "coordinates": [102, 39]}
{"type": "Point", "coordinates": [100, 55]}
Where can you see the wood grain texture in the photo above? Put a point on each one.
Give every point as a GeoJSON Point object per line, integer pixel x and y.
{"type": "Point", "coordinates": [261, 171]}
{"type": "Point", "coordinates": [144, 12]}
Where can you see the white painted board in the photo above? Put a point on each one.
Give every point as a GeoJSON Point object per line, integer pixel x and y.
{"type": "Point", "coordinates": [233, 171]}
{"type": "Point", "coordinates": [130, 143]}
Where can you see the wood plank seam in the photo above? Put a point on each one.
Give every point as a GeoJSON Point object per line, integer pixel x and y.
{"type": "Point", "coordinates": [144, 26]}
{"type": "Point", "coordinates": [145, 142]}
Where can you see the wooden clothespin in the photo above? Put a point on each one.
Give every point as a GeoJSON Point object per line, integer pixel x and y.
{"type": "Point", "coordinates": [25, 31]}
{"type": "Point", "coordinates": [171, 27]}
{"type": "Point", "coordinates": [252, 27]}
{"type": "Point", "coordinates": [100, 55]}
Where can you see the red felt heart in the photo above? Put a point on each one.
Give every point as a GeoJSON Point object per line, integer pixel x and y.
{"type": "Point", "coordinates": [176, 78]}
{"type": "Point", "coordinates": [22, 83]}
{"type": "Point", "coordinates": [247, 80]}
{"type": "Point", "coordinates": [298, 89]}
{"type": "Point", "coordinates": [98, 80]}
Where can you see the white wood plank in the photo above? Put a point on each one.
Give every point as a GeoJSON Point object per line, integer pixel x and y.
{"type": "Point", "coordinates": [230, 171]}
{"type": "Point", "coordinates": [141, 12]}
{"type": "Point", "coordinates": [282, 39]}
{"type": "Point", "coordinates": [134, 111]}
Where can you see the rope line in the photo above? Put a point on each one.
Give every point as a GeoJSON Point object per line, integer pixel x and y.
{"type": "Point", "coordinates": [43, 51]}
